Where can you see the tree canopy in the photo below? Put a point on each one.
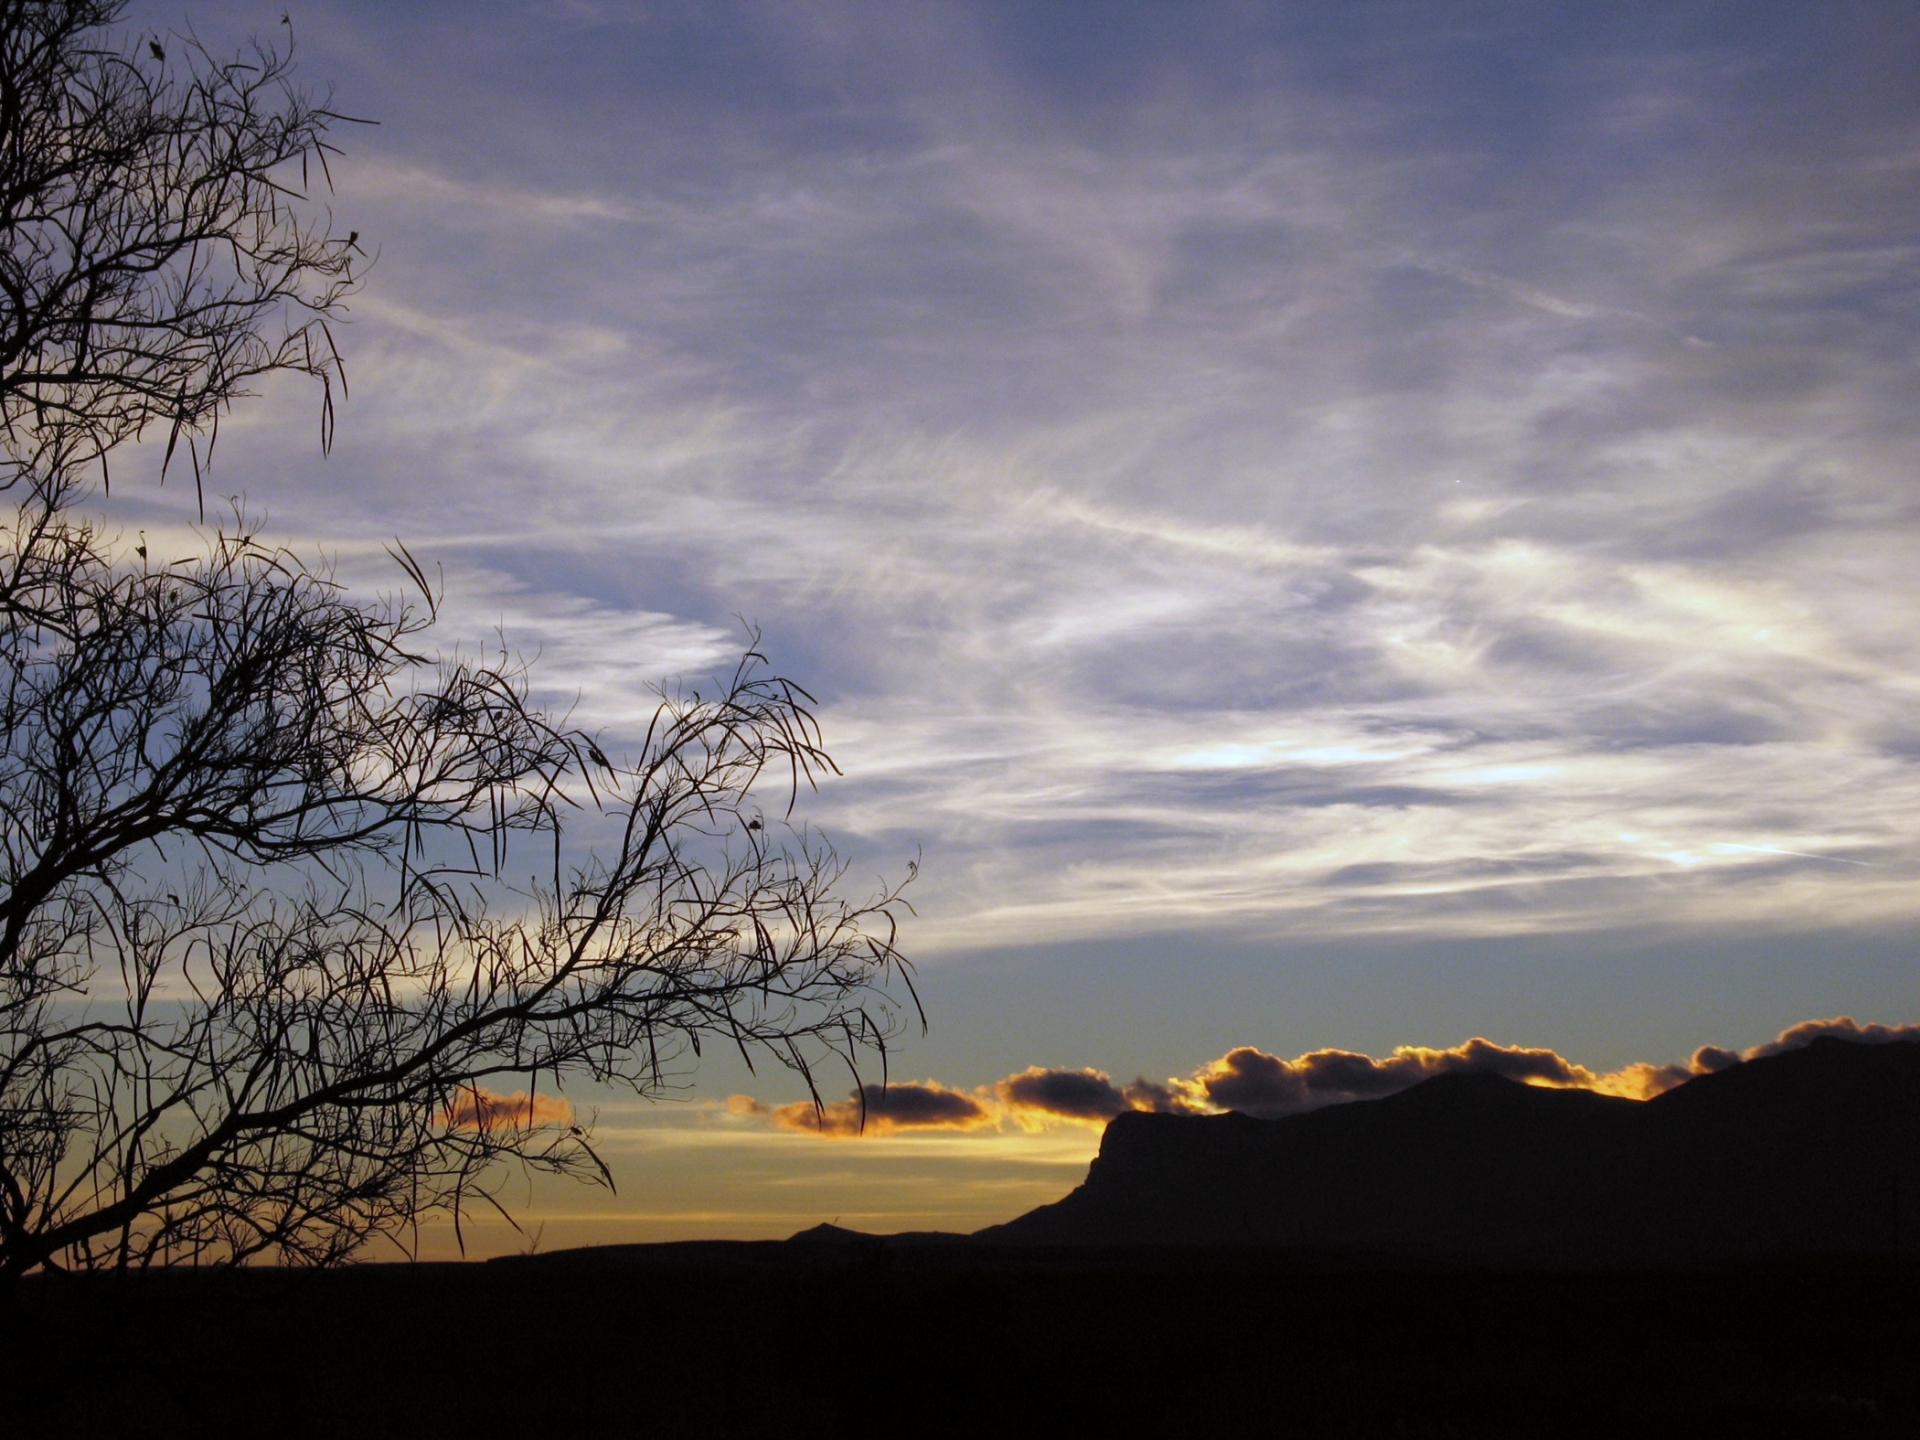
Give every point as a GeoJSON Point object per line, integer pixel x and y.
{"type": "Point", "coordinates": [300, 936]}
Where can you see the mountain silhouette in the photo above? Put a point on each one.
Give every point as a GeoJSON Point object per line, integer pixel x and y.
{"type": "Point", "coordinates": [1814, 1153]}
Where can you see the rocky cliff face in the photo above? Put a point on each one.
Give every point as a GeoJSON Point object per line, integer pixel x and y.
{"type": "Point", "coordinates": [1811, 1153]}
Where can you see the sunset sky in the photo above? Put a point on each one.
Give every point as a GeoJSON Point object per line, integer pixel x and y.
{"type": "Point", "coordinates": [1323, 526]}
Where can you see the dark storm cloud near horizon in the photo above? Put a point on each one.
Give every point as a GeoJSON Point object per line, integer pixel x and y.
{"type": "Point", "coordinates": [1270, 469]}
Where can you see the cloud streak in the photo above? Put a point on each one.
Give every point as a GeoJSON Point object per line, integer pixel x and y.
{"type": "Point", "coordinates": [1188, 523]}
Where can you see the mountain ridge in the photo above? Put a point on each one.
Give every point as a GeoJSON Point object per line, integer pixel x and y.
{"type": "Point", "coordinates": [1811, 1153]}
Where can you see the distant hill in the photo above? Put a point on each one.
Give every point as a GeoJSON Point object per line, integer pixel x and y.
{"type": "Point", "coordinates": [1811, 1153]}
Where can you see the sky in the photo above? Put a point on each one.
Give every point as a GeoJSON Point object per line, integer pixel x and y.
{"type": "Point", "coordinates": [1321, 527]}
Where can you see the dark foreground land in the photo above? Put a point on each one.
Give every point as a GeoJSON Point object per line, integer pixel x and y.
{"type": "Point", "coordinates": [861, 1340]}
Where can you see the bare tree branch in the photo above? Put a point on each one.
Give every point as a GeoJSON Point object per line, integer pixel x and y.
{"type": "Point", "coordinates": [267, 966]}
{"type": "Point", "coordinates": [158, 255]}
{"type": "Point", "coordinates": [259, 958]}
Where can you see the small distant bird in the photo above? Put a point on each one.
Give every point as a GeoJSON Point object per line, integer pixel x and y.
{"type": "Point", "coordinates": [141, 548]}
{"type": "Point", "coordinates": [158, 53]}
{"type": "Point", "coordinates": [286, 19]}
{"type": "Point", "coordinates": [753, 824]}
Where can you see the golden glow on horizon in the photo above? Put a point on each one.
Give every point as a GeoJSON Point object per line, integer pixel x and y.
{"type": "Point", "coordinates": [711, 1170]}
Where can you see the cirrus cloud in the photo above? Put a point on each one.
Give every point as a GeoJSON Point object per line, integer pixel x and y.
{"type": "Point", "coordinates": [1496, 555]}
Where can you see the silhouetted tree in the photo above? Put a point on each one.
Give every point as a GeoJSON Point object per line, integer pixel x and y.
{"type": "Point", "coordinates": [156, 255]}
{"type": "Point", "coordinates": [271, 980]}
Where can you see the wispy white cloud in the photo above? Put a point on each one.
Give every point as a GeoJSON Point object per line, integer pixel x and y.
{"type": "Point", "coordinates": [393, 182]}
{"type": "Point", "coordinates": [1174, 540]}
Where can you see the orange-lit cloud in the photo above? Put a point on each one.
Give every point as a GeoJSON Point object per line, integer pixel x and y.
{"type": "Point", "coordinates": [1642, 1081]}
{"type": "Point", "coordinates": [1254, 1082]}
{"type": "Point", "coordinates": [478, 1108]}
{"type": "Point", "coordinates": [879, 1110]}
{"type": "Point", "coordinates": [1841, 1027]}
{"type": "Point", "coordinates": [1085, 1096]}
